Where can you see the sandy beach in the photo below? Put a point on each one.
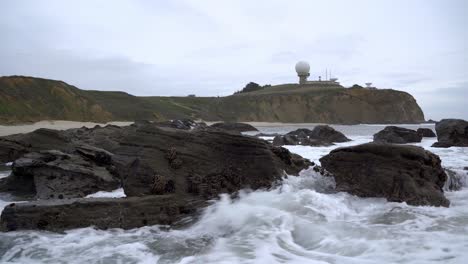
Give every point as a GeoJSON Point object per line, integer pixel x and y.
{"type": "Point", "coordinates": [53, 124]}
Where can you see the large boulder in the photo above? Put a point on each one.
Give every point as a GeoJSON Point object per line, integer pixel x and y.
{"type": "Point", "coordinates": [53, 174]}
{"type": "Point", "coordinates": [321, 135]}
{"type": "Point", "coordinates": [236, 127]}
{"type": "Point", "coordinates": [451, 132]}
{"type": "Point", "coordinates": [397, 135]}
{"type": "Point", "coordinates": [400, 173]}
{"type": "Point", "coordinates": [204, 163]}
{"type": "Point", "coordinates": [425, 132]}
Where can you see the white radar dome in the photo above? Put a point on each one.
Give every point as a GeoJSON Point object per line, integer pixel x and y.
{"type": "Point", "coordinates": [302, 67]}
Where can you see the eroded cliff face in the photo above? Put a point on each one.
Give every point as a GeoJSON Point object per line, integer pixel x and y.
{"type": "Point", "coordinates": [28, 99]}
{"type": "Point", "coordinates": [344, 106]}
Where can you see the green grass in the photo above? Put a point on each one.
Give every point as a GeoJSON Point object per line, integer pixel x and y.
{"type": "Point", "coordinates": [24, 99]}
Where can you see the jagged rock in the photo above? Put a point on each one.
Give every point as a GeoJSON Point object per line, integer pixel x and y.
{"type": "Point", "coordinates": [400, 173]}
{"type": "Point", "coordinates": [100, 156]}
{"type": "Point", "coordinates": [398, 135]}
{"type": "Point", "coordinates": [14, 146]}
{"type": "Point", "coordinates": [321, 135]}
{"type": "Point", "coordinates": [54, 174]}
{"type": "Point", "coordinates": [103, 213]}
{"type": "Point", "coordinates": [236, 127]}
{"type": "Point", "coordinates": [451, 132]}
{"type": "Point", "coordinates": [425, 132]}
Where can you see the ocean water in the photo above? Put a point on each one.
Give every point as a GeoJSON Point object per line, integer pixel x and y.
{"type": "Point", "coordinates": [301, 221]}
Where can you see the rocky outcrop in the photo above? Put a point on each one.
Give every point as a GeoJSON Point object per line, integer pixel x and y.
{"type": "Point", "coordinates": [147, 160]}
{"type": "Point", "coordinates": [236, 127]}
{"type": "Point", "coordinates": [321, 135]}
{"type": "Point", "coordinates": [451, 132]}
{"type": "Point", "coordinates": [53, 174]}
{"type": "Point", "coordinates": [102, 213]}
{"type": "Point", "coordinates": [425, 132]}
{"type": "Point", "coordinates": [397, 135]}
{"type": "Point", "coordinates": [399, 173]}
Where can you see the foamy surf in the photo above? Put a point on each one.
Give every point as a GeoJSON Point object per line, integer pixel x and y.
{"type": "Point", "coordinates": [301, 221]}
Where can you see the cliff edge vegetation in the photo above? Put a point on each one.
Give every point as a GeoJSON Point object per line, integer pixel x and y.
{"type": "Point", "coordinates": [28, 99]}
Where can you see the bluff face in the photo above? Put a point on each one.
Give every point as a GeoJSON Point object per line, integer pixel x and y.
{"type": "Point", "coordinates": [28, 99]}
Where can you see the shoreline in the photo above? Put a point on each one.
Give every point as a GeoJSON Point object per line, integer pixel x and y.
{"type": "Point", "coordinates": [6, 130]}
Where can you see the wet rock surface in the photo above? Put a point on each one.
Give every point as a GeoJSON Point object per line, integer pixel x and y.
{"type": "Point", "coordinates": [103, 213]}
{"type": "Point", "coordinates": [54, 174]}
{"type": "Point", "coordinates": [397, 135]}
{"type": "Point", "coordinates": [236, 127]}
{"type": "Point", "coordinates": [451, 133]}
{"type": "Point", "coordinates": [147, 160]}
{"type": "Point", "coordinates": [399, 173]}
{"type": "Point", "coordinates": [425, 132]}
{"type": "Point", "coordinates": [321, 135]}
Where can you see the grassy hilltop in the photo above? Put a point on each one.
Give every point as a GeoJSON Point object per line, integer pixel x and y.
{"type": "Point", "coordinates": [28, 99]}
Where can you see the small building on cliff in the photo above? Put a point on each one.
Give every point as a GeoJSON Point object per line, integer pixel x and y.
{"type": "Point", "coordinates": [303, 72]}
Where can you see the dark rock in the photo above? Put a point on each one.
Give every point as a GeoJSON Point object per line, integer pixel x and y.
{"type": "Point", "coordinates": [465, 168]}
{"type": "Point", "coordinates": [398, 135]}
{"type": "Point", "coordinates": [185, 124]}
{"type": "Point", "coordinates": [100, 156]}
{"type": "Point", "coordinates": [209, 162]}
{"type": "Point", "coordinates": [321, 135]}
{"type": "Point", "coordinates": [103, 213]}
{"type": "Point", "coordinates": [14, 146]}
{"type": "Point", "coordinates": [152, 160]}
{"type": "Point", "coordinates": [267, 135]}
{"type": "Point", "coordinates": [237, 127]}
{"type": "Point", "coordinates": [451, 132]}
{"type": "Point", "coordinates": [54, 174]}
{"type": "Point", "coordinates": [400, 173]}
{"type": "Point", "coordinates": [425, 132]}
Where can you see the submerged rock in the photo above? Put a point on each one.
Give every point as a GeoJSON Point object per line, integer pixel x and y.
{"type": "Point", "coordinates": [321, 135]}
{"type": "Point", "coordinates": [237, 127]}
{"type": "Point", "coordinates": [425, 132]}
{"type": "Point", "coordinates": [455, 180]}
{"type": "Point", "coordinates": [451, 132]}
{"type": "Point", "coordinates": [398, 135]}
{"type": "Point", "coordinates": [399, 173]}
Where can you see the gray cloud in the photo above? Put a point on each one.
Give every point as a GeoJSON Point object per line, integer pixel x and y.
{"type": "Point", "coordinates": [214, 48]}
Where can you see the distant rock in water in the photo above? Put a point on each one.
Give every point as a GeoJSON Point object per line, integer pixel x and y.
{"type": "Point", "coordinates": [425, 132]}
{"type": "Point", "coordinates": [321, 135]}
{"type": "Point", "coordinates": [148, 160]}
{"type": "Point", "coordinates": [398, 135]}
{"type": "Point", "coordinates": [237, 127]}
{"type": "Point", "coordinates": [399, 173]}
{"type": "Point", "coordinates": [451, 133]}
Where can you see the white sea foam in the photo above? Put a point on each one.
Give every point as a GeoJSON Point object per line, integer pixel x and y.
{"type": "Point", "coordinates": [301, 221]}
{"type": "Point", "coordinates": [4, 174]}
{"type": "Point", "coordinates": [117, 193]}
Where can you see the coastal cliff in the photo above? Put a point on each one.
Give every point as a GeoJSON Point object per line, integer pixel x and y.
{"type": "Point", "coordinates": [28, 99]}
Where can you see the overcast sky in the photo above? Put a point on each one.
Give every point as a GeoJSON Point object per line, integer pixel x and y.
{"type": "Point", "coordinates": [215, 47]}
